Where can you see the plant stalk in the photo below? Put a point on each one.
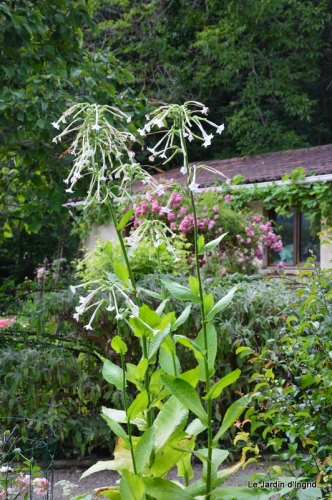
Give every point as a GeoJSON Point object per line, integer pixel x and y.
{"type": "Point", "coordinates": [206, 361]}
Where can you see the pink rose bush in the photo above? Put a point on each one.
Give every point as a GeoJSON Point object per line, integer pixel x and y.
{"type": "Point", "coordinates": [247, 236]}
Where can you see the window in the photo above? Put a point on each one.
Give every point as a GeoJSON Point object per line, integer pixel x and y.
{"type": "Point", "coordinates": [297, 238]}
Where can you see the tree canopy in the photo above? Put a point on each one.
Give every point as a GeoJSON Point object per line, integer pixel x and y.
{"type": "Point", "coordinates": [262, 66]}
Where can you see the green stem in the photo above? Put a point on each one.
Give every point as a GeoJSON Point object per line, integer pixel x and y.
{"type": "Point", "coordinates": [125, 404]}
{"type": "Point", "coordinates": [164, 294]}
{"type": "Point", "coordinates": [204, 326]}
{"type": "Point", "coordinates": [138, 303]}
{"type": "Point", "coordinates": [125, 255]}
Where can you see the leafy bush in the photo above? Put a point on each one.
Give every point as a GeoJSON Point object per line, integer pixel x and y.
{"type": "Point", "coordinates": [56, 382]}
{"type": "Point", "coordinates": [294, 389]}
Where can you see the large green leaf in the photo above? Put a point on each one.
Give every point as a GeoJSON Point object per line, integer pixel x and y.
{"type": "Point", "coordinates": [119, 345]}
{"type": "Point", "coordinates": [166, 362]}
{"type": "Point", "coordinates": [232, 414]}
{"type": "Point", "coordinates": [182, 318]}
{"type": "Point", "coordinates": [162, 489]}
{"type": "Point", "coordinates": [113, 374]}
{"type": "Point", "coordinates": [120, 271]}
{"type": "Point", "coordinates": [191, 376]}
{"type": "Point", "coordinates": [212, 346]}
{"type": "Point", "coordinates": [170, 420]}
{"type": "Point", "coordinates": [141, 369]}
{"type": "Point", "coordinates": [131, 486]}
{"type": "Point", "coordinates": [194, 284]}
{"type": "Point", "coordinates": [199, 354]}
{"type": "Point", "coordinates": [186, 394]}
{"type": "Point", "coordinates": [211, 245]}
{"type": "Point", "coordinates": [195, 427]}
{"type": "Point", "coordinates": [222, 303]}
{"type": "Point", "coordinates": [158, 339]}
{"type": "Point", "coordinates": [219, 386]}
{"type": "Point", "coordinates": [139, 404]}
{"type": "Point", "coordinates": [125, 219]}
{"type": "Point", "coordinates": [117, 429]}
{"type": "Point", "coordinates": [179, 291]}
{"type": "Point", "coordinates": [167, 458]}
{"type": "Point", "coordinates": [99, 466]}
{"type": "Point", "coordinates": [117, 415]}
{"type": "Point", "coordinates": [218, 456]}
{"type": "Point", "coordinates": [144, 448]}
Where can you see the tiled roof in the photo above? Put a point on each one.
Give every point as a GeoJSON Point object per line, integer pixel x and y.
{"type": "Point", "coordinates": [260, 168]}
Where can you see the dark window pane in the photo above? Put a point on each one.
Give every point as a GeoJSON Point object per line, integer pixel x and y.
{"type": "Point", "coordinates": [285, 227]}
{"type": "Point", "coordinates": [308, 241]}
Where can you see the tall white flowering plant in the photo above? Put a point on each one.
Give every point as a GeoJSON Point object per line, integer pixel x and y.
{"type": "Point", "coordinates": [153, 432]}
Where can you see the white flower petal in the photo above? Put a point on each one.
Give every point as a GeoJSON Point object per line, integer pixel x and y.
{"type": "Point", "coordinates": [193, 187]}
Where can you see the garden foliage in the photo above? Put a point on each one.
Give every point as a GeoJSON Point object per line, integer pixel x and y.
{"type": "Point", "coordinates": [153, 431]}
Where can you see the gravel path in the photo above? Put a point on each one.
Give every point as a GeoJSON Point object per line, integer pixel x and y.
{"type": "Point", "coordinates": [109, 478]}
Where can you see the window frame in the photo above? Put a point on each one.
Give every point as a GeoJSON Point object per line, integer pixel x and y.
{"type": "Point", "coordinates": [296, 240]}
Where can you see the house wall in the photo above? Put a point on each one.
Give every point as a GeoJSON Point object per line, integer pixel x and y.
{"type": "Point", "coordinates": [106, 231]}
{"type": "Point", "coordinates": [326, 256]}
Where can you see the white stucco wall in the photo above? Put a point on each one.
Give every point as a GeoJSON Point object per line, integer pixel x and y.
{"type": "Point", "coordinates": [106, 231]}
{"type": "Point", "coordinates": [326, 256]}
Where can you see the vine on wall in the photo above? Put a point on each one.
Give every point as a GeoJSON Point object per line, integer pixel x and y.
{"type": "Point", "coordinates": [314, 198]}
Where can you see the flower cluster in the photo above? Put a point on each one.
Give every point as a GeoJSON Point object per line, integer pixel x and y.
{"type": "Point", "coordinates": [247, 235]}
{"type": "Point", "coordinates": [270, 240]}
{"type": "Point", "coordinates": [21, 484]}
{"type": "Point", "coordinates": [101, 150]}
{"type": "Point", "coordinates": [5, 323]}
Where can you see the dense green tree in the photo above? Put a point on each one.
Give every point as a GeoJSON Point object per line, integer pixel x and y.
{"type": "Point", "coordinates": [262, 66]}
{"type": "Point", "coordinates": [47, 61]}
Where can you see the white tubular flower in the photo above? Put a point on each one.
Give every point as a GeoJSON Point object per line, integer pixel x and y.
{"type": "Point", "coordinates": [207, 140]}
{"type": "Point", "coordinates": [95, 137]}
{"type": "Point", "coordinates": [220, 128]}
{"type": "Point", "coordinates": [135, 310]}
{"type": "Point", "coordinates": [194, 187]}
{"type": "Point", "coordinates": [183, 170]}
{"type": "Point", "coordinates": [182, 120]}
{"type": "Point", "coordinates": [73, 289]}
{"type": "Point", "coordinates": [56, 125]}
